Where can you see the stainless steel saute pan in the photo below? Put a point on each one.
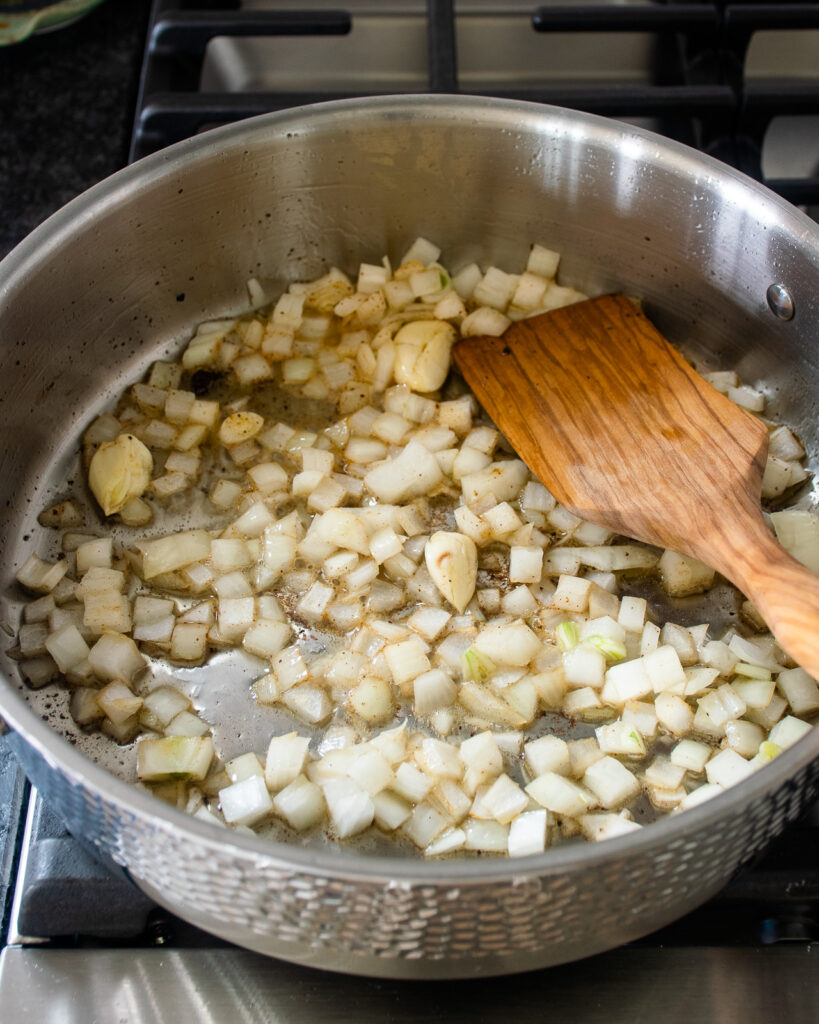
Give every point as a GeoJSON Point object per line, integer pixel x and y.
{"type": "Point", "coordinates": [116, 278]}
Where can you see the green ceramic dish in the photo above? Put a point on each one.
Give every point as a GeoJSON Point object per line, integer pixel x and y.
{"type": "Point", "coordinates": [19, 20]}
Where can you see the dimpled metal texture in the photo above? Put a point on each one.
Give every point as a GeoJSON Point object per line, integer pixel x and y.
{"type": "Point", "coordinates": [126, 271]}
{"type": "Point", "coordinates": [410, 929]}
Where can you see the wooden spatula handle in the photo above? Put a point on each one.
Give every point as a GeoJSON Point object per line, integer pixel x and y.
{"type": "Point", "coordinates": [784, 592]}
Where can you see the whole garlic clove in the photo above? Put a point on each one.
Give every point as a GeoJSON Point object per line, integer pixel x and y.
{"type": "Point", "coordinates": [452, 561]}
{"type": "Point", "coordinates": [119, 471]}
{"type": "Point", "coordinates": [422, 351]}
{"type": "Point", "coordinates": [240, 427]}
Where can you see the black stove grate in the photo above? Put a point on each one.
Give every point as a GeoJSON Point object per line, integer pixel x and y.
{"type": "Point", "coordinates": [698, 93]}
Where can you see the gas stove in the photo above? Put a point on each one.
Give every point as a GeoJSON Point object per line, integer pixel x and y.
{"type": "Point", "coordinates": [737, 80]}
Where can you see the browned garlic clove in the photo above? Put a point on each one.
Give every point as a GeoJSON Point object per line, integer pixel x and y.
{"type": "Point", "coordinates": [452, 561]}
{"type": "Point", "coordinates": [119, 471]}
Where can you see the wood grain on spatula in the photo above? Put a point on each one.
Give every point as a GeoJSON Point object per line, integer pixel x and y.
{"type": "Point", "coordinates": [625, 433]}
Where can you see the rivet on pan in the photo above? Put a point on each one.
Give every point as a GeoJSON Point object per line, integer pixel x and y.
{"type": "Point", "coordinates": [780, 301]}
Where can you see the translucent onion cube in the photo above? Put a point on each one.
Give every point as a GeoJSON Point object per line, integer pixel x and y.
{"type": "Point", "coordinates": [187, 724]}
{"type": "Point", "coordinates": [662, 772]}
{"type": "Point", "coordinates": [584, 699]}
{"type": "Point", "coordinates": [286, 757]}
{"type": "Point", "coordinates": [512, 643]}
{"type": "Point", "coordinates": [351, 809]}
{"type": "Point", "coordinates": [411, 783]}
{"type": "Point", "coordinates": [673, 713]}
{"type": "Point", "coordinates": [501, 519]}
{"type": "Point", "coordinates": [799, 689]}
{"type": "Point", "coordinates": [118, 702]}
{"type": "Point", "coordinates": [469, 460]}
{"type": "Point", "coordinates": [744, 737]}
{"type": "Point", "coordinates": [392, 743]}
{"type": "Point", "coordinates": [523, 698]}
{"type": "Point", "coordinates": [504, 799]}
{"type": "Point", "coordinates": [245, 802]}
{"type": "Point", "coordinates": [768, 716]}
{"type": "Point", "coordinates": [84, 707]}
{"type": "Point", "coordinates": [683, 575]}
{"type": "Point", "coordinates": [626, 681]}
{"type": "Point", "coordinates": [161, 706]}
{"type": "Point", "coordinates": [115, 656]}
{"type": "Point", "coordinates": [372, 699]}
{"type": "Point", "coordinates": [448, 842]}
{"type": "Point", "coordinates": [561, 795]}
{"type": "Point", "coordinates": [603, 603]}
{"type": "Point", "coordinates": [691, 755]}
{"type": "Point", "coordinates": [788, 731]}
{"type": "Point", "coordinates": [39, 576]}
{"type": "Point", "coordinates": [482, 756]}
{"type": "Point", "coordinates": [243, 766]}
{"type": "Point", "coordinates": [632, 614]}
{"type": "Point", "coordinates": [371, 771]}
{"type": "Point", "coordinates": [108, 610]}
{"type": "Point", "coordinates": [528, 834]}
{"type": "Point", "coordinates": [301, 803]}
{"type": "Point", "coordinates": [175, 552]}
{"type": "Point", "coordinates": [682, 641]}
{"type": "Point", "coordinates": [727, 768]}
{"type": "Point", "coordinates": [486, 836]}
{"type": "Point", "coordinates": [228, 554]}
{"type": "Point", "coordinates": [67, 647]}
{"type": "Point", "coordinates": [642, 716]}
{"type": "Point", "coordinates": [525, 564]}
{"type": "Point", "coordinates": [406, 660]}
{"type": "Point", "coordinates": [755, 693]}
{"type": "Point", "coordinates": [266, 639]}
{"type": "Point", "coordinates": [310, 703]}
{"type": "Point", "coordinates": [289, 667]}
{"type": "Point", "coordinates": [572, 594]}
{"type": "Point", "coordinates": [697, 681]}
{"type": "Point", "coordinates": [700, 795]}
{"type": "Point", "coordinates": [95, 553]}
{"type": "Point", "coordinates": [650, 638]}
{"type": "Point", "coordinates": [611, 782]}
{"type": "Point", "coordinates": [189, 641]}
{"type": "Point", "coordinates": [438, 758]}
{"type": "Point", "coordinates": [433, 690]}
{"type": "Point", "coordinates": [153, 619]}
{"type": "Point", "coordinates": [174, 757]}
{"type": "Point", "coordinates": [429, 622]}
{"type": "Point", "coordinates": [547, 754]}
{"type": "Point", "coordinates": [606, 826]}
{"type": "Point", "coordinates": [519, 602]}
{"type": "Point", "coordinates": [314, 603]}
{"type": "Point", "coordinates": [620, 738]}
{"type": "Point", "coordinates": [663, 668]}
{"type": "Point", "coordinates": [414, 472]}
{"type": "Point", "coordinates": [424, 824]}
{"type": "Point", "coordinates": [584, 665]}
{"type": "Point", "coordinates": [501, 481]}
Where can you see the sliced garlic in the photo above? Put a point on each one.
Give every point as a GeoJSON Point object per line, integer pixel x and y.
{"type": "Point", "coordinates": [120, 470]}
{"type": "Point", "coordinates": [239, 427]}
{"type": "Point", "coordinates": [422, 351]}
{"type": "Point", "coordinates": [452, 561]}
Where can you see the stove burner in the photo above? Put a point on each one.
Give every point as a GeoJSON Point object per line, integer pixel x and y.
{"type": "Point", "coordinates": [699, 85]}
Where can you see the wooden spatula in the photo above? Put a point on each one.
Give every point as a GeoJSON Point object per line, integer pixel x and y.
{"type": "Point", "coordinates": [627, 435]}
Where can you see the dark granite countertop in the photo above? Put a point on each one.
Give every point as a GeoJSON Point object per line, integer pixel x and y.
{"type": "Point", "coordinates": [66, 109]}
